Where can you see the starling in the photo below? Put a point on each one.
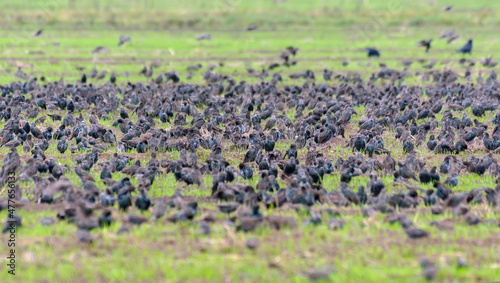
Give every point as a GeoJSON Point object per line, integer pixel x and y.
{"type": "Point", "coordinates": [359, 144]}
{"type": "Point", "coordinates": [143, 202]}
{"type": "Point", "coordinates": [430, 198]}
{"type": "Point", "coordinates": [123, 39]}
{"type": "Point", "coordinates": [159, 210]}
{"type": "Point", "coordinates": [372, 52]}
{"type": "Point", "coordinates": [112, 78]}
{"type": "Point", "coordinates": [124, 201]}
{"type": "Point", "coordinates": [426, 44]}
{"type": "Point", "coordinates": [203, 36]}
{"type": "Point", "coordinates": [416, 233]}
{"type": "Point", "coordinates": [429, 270]}
{"type": "Point", "coordinates": [252, 243]}
{"type": "Point", "coordinates": [105, 219]}
{"type": "Point", "coordinates": [62, 145]}
{"type": "Point", "coordinates": [362, 195]}
{"type": "Point", "coordinates": [424, 176]}
{"type": "Point", "coordinates": [38, 33]}
{"type": "Point", "coordinates": [252, 27]}
{"type": "Point", "coordinates": [228, 207]}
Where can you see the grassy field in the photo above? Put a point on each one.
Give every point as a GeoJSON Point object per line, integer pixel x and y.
{"type": "Point", "coordinates": [327, 33]}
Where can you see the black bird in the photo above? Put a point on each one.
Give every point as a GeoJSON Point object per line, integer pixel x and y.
{"type": "Point", "coordinates": [47, 134]}
{"type": "Point", "coordinates": [430, 198]}
{"type": "Point", "coordinates": [251, 154]}
{"type": "Point", "coordinates": [467, 48]}
{"type": "Point", "coordinates": [143, 202]}
{"type": "Point", "coordinates": [84, 79]}
{"type": "Point", "coordinates": [123, 114]}
{"type": "Point", "coordinates": [105, 173]}
{"type": "Point", "coordinates": [228, 207]}
{"type": "Point", "coordinates": [452, 181]}
{"type": "Point", "coordinates": [426, 44]}
{"type": "Point", "coordinates": [112, 78]}
{"type": "Point", "coordinates": [105, 219]}
{"type": "Point", "coordinates": [416, 233]}
{"type": "Point", "coordinates": [376, 185]}
{"type": "Point", "coordinates": [434, 174]}
{"type": "Point", "coordinates": [291, 152]}
{"type": "Point", "coordinates": [362, 195]}
{"type": "Point", "coordinates": [268, 144]}
{"type": "Point", "coordinates": [62, 145]}
{"type": "Point", "coordinates": [349, 194]}
{"type": "Point", "coordinates": [372, 52]}
{"type": "Point", "coordinates": [408, 146]}
{"type": "Point", "coordinates": [246, 172]}
{"type": "Point", "coordinates": [108, 198]}
{"type": "Point", "coordinates": [359, 144]}
{"type": "Point", "coordinates": [441, 191]}
{"type": "Point", "coordinates": [290, 166]}
{"type": "Point", "coordinates": [124, 201]}
{"type": "Point", "coordinates": [38, 33]}
{"type": "Point", "coordinates": [425, 176]}
{"type": "Point", "coordinates": [327, 75]}
{"type": "Point", "coordinates": [71, 106]}
{"type": "Point", "coordinates": [252, 27]}
{"type": "Point", "coordinates": [429, 269]}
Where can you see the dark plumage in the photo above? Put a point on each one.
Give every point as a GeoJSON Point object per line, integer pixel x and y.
{"type": "Point", "coordinates": [142, 202]}
{"type": "Point", "coordinates": [106, 218]}
{"type": "Point", "coordinates": [372, 52]}
{"type": "Point", "coordinates": [467, 48]}
{"type": "Point", "coordinates": [426, 44]}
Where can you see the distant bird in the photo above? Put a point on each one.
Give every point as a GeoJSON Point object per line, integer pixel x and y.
{"type": "Point", "coordinates": [228, 207]}
{"type": "Point", "coordinates": [450, 34]}
{"type": "Point", "coordinates": [112, 78]}
{"type": "Point", "coordinates": [467, 48]}
{"type": "Point", "coordinates": [416, 233]}
{"type": "Point", "coordinates": [429, 269]}
{"type": "Point", "coordinates": [425, 176]}
{"type": "Point", "coordinates": [62, 146]}
{"type": "Point", "coordinates": [194, 67]}
{"type": "Point", "coordinates": [362, 195]}
{"type": "Point", "coordinates": [123, 39]}
{"type": "Point", "coordinates": [203, 36]}
{"type": "Point", "coordinates": [93, 73]}
{"type": "Point", "coordinates": [452, 180]}
{"type": "Point", "coordinates": [372, 52]}
{"type": "Point", "coordinates": [99, 49]}
{"type": "Point", "coordinates": [106, 218]}
{"type": "Point", "coordinates": [327, 75]}
{"type": "Point", "coordinates": [38, 33]}
{"type": "Point", "coordinates": [426, 44]}
{"type": "Point", "coordinates": [431, 143]}
{"type": "Point", "coordinates": [488, 62]}
{"type": "Point", "coordinates": [102, 75]}
{"type": "Point", "coordinates": [20, 74]}
{"type": "Point", "coordinates": [159, 211]}
{"type": "Point", "coordinates": [84, 79]}
{"type": "Point", "coordinates": [252, 27]}
{"type": "Point", "coordinates": [430, 198]}
{"type": "Point", "coordinates": [447, 8]}
{"type": "Point", "coordinates": [143, 202]}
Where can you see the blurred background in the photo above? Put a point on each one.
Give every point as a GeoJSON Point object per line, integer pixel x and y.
{"type": "Point", "coordinates": [329, 34]}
